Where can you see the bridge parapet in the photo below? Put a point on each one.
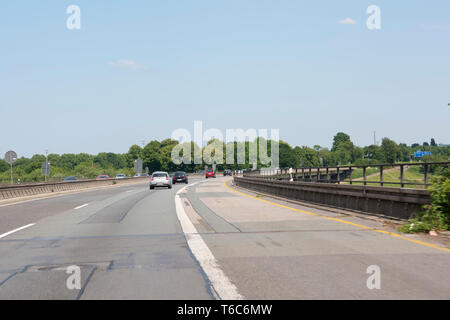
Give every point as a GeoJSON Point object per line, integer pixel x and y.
{"type": "Point", "coordinates": [355, 174]}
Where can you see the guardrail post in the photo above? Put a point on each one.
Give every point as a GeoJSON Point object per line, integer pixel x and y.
{"type": "Point", "coordinates": [338, 176]}
{"type": "Point", "coordinates": [328, 176]}
{"type": "Point", "coordinates": [303, 174]}
{"type": "Point", "coordinates": [350, 168]}
{"type": "Point", "coordinates": [381, 176]}
{"type": "Point", "coordinates": [364, 176]}
{"type": "Point", "coordinates": [318, 174]}
{"type": "Point", "coordinates": [425, 175]}
{"type": "Point", "coordinates": [401, 176]}
{"type": "Point", "coordinates": [310, 175]}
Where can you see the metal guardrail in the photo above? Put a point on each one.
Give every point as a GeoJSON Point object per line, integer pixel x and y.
{"type": "Point", "coordinates": [344, 174]}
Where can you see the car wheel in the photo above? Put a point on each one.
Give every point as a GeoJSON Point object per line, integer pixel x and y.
{"type": "Point", "coordinates": [169, 186]}
{"type": "Point", "coordinates": [151, 187]}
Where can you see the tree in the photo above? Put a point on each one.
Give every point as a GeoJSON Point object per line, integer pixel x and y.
{"type": "Point", "coordinates": [151, 156]}
{"type": "Point", "coordinates": [68, 161]}
{"type": "Point", "coordinates": [390, 150]}
{"type": "Point", "coordinates": [433, 143]}
{"type": "Point", "coordinates": [287, 155]}
{"type": "Point", "coordinates": [3, 165]}
{"type": "Point", "coordinates": [306, 157]}
{"type": "Point", "coordinates": [374, 154]}
{"type": "Point", "coordinates": [339, 139]}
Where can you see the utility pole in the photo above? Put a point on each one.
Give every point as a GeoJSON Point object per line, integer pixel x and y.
{"type": "Point", "coordinates": [374, 138]}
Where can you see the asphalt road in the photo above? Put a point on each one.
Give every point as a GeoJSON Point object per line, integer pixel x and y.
{"type": "Point", "coordinates": [134, 243]}
{"type": "Point", "coordinates": [127, 242]}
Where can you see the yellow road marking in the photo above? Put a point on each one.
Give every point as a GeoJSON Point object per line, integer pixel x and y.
{"type": "Point", "coordinates": [342, 221]}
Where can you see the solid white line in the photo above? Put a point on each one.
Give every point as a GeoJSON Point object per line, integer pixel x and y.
{"type": "Point", "coordinates": [219, 281]}
{"type": "Point", "coordinates": [15, 230]}
{"type": "Point", "coordinates": [82, 206]}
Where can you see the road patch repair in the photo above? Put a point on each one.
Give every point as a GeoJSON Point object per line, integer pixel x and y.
{"type": "Point", "coordinates": [220, 283]}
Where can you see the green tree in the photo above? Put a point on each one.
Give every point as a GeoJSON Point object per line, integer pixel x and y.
{"type": "Point", "coordinates": [339, 139]}
{"type": "Point", "coordinates": [287, 155]}
{"type": "Point", "coordinates": [3, 165]}
{"type": "Point", "coordinates": [433, 143]}
{"type": "Point", "coordinates": [390, 150]}
{"type": "Point", "coordinates": [151, 156]}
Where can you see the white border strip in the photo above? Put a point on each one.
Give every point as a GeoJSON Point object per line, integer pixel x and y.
{"type": "Point", "coordinates": [219, 281]}
{"type": "Point", "coordinates": [15, 230]}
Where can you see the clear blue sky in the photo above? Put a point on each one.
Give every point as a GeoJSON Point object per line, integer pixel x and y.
{"type": "Point", "coordinates": [137, 70]}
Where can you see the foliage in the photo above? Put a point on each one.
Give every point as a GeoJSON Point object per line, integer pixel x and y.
{"type": "Point", "coordinates": [156, 155]}
{"type": "Point", "coordinates": [436, 215]}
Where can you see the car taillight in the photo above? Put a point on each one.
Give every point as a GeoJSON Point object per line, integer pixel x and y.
{"type": "Point", "coordinates": [167, 178]}
{"type": "Point", "coordinates": [153, 178]}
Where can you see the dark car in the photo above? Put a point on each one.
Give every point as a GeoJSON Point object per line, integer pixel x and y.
{"type": "Point", "coordinates": [179, 176]}
{"type": "Point", "coordinates": [70, 179]}
{"type": "Point", "coordinates": [227, 172]}
{"type": "Point", "coordinates": [102, 177]}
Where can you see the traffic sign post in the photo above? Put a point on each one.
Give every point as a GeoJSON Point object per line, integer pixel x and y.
{"type": "Point", "coordinates": [45, 169]}
{"type": "Point", "coordinates": [138, 166]}
{"type": "Point", "coordinates": [11, 157]}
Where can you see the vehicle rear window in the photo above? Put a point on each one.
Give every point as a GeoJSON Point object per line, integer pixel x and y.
{"type": "Point", "coordinates": [179, 174]}
{"type": "Point", "coordinates": [159, 175]}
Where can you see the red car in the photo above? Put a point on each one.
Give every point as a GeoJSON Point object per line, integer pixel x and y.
{"type": "Point", "coordinates": [210, 173]}
{"type": "Point", "coordinates": [103, 177]}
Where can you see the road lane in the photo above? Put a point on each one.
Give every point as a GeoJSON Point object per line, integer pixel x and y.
{"type": "Point", "coordinates": [129, 245]}
{"type": "Point", "coordinates": [15, 215]}
{"type": "Point", "coordinates": [287, 254]}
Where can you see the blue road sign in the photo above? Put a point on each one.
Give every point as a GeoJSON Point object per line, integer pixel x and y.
{"type": "Point", "coordinates": [420, 154]}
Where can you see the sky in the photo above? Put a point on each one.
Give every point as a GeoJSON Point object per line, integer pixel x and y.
{"type": "Point", "coordinates": [138, 70]}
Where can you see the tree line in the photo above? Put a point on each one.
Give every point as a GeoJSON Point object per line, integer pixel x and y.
{"type": "Point", "coordinates": [156, 155]}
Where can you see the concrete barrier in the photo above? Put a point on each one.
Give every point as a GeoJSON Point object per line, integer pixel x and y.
{"type": "Point", "coordinates": [397, 203]}
{"type": "Point", "coordinates": [17, 191]}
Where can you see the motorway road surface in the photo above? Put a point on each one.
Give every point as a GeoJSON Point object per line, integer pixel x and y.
{"type": "Point", "coordinates": [214, 242]}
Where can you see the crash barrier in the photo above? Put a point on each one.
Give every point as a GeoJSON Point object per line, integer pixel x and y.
{"type": "Point", "coordinates": [17, 191]}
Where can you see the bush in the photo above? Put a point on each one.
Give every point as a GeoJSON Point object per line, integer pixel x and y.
{"type": "Point", "coordinates": [436, 216]}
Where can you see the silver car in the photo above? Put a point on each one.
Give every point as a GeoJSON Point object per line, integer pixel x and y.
{"type": "Point", "coordinates": [160, 179]}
